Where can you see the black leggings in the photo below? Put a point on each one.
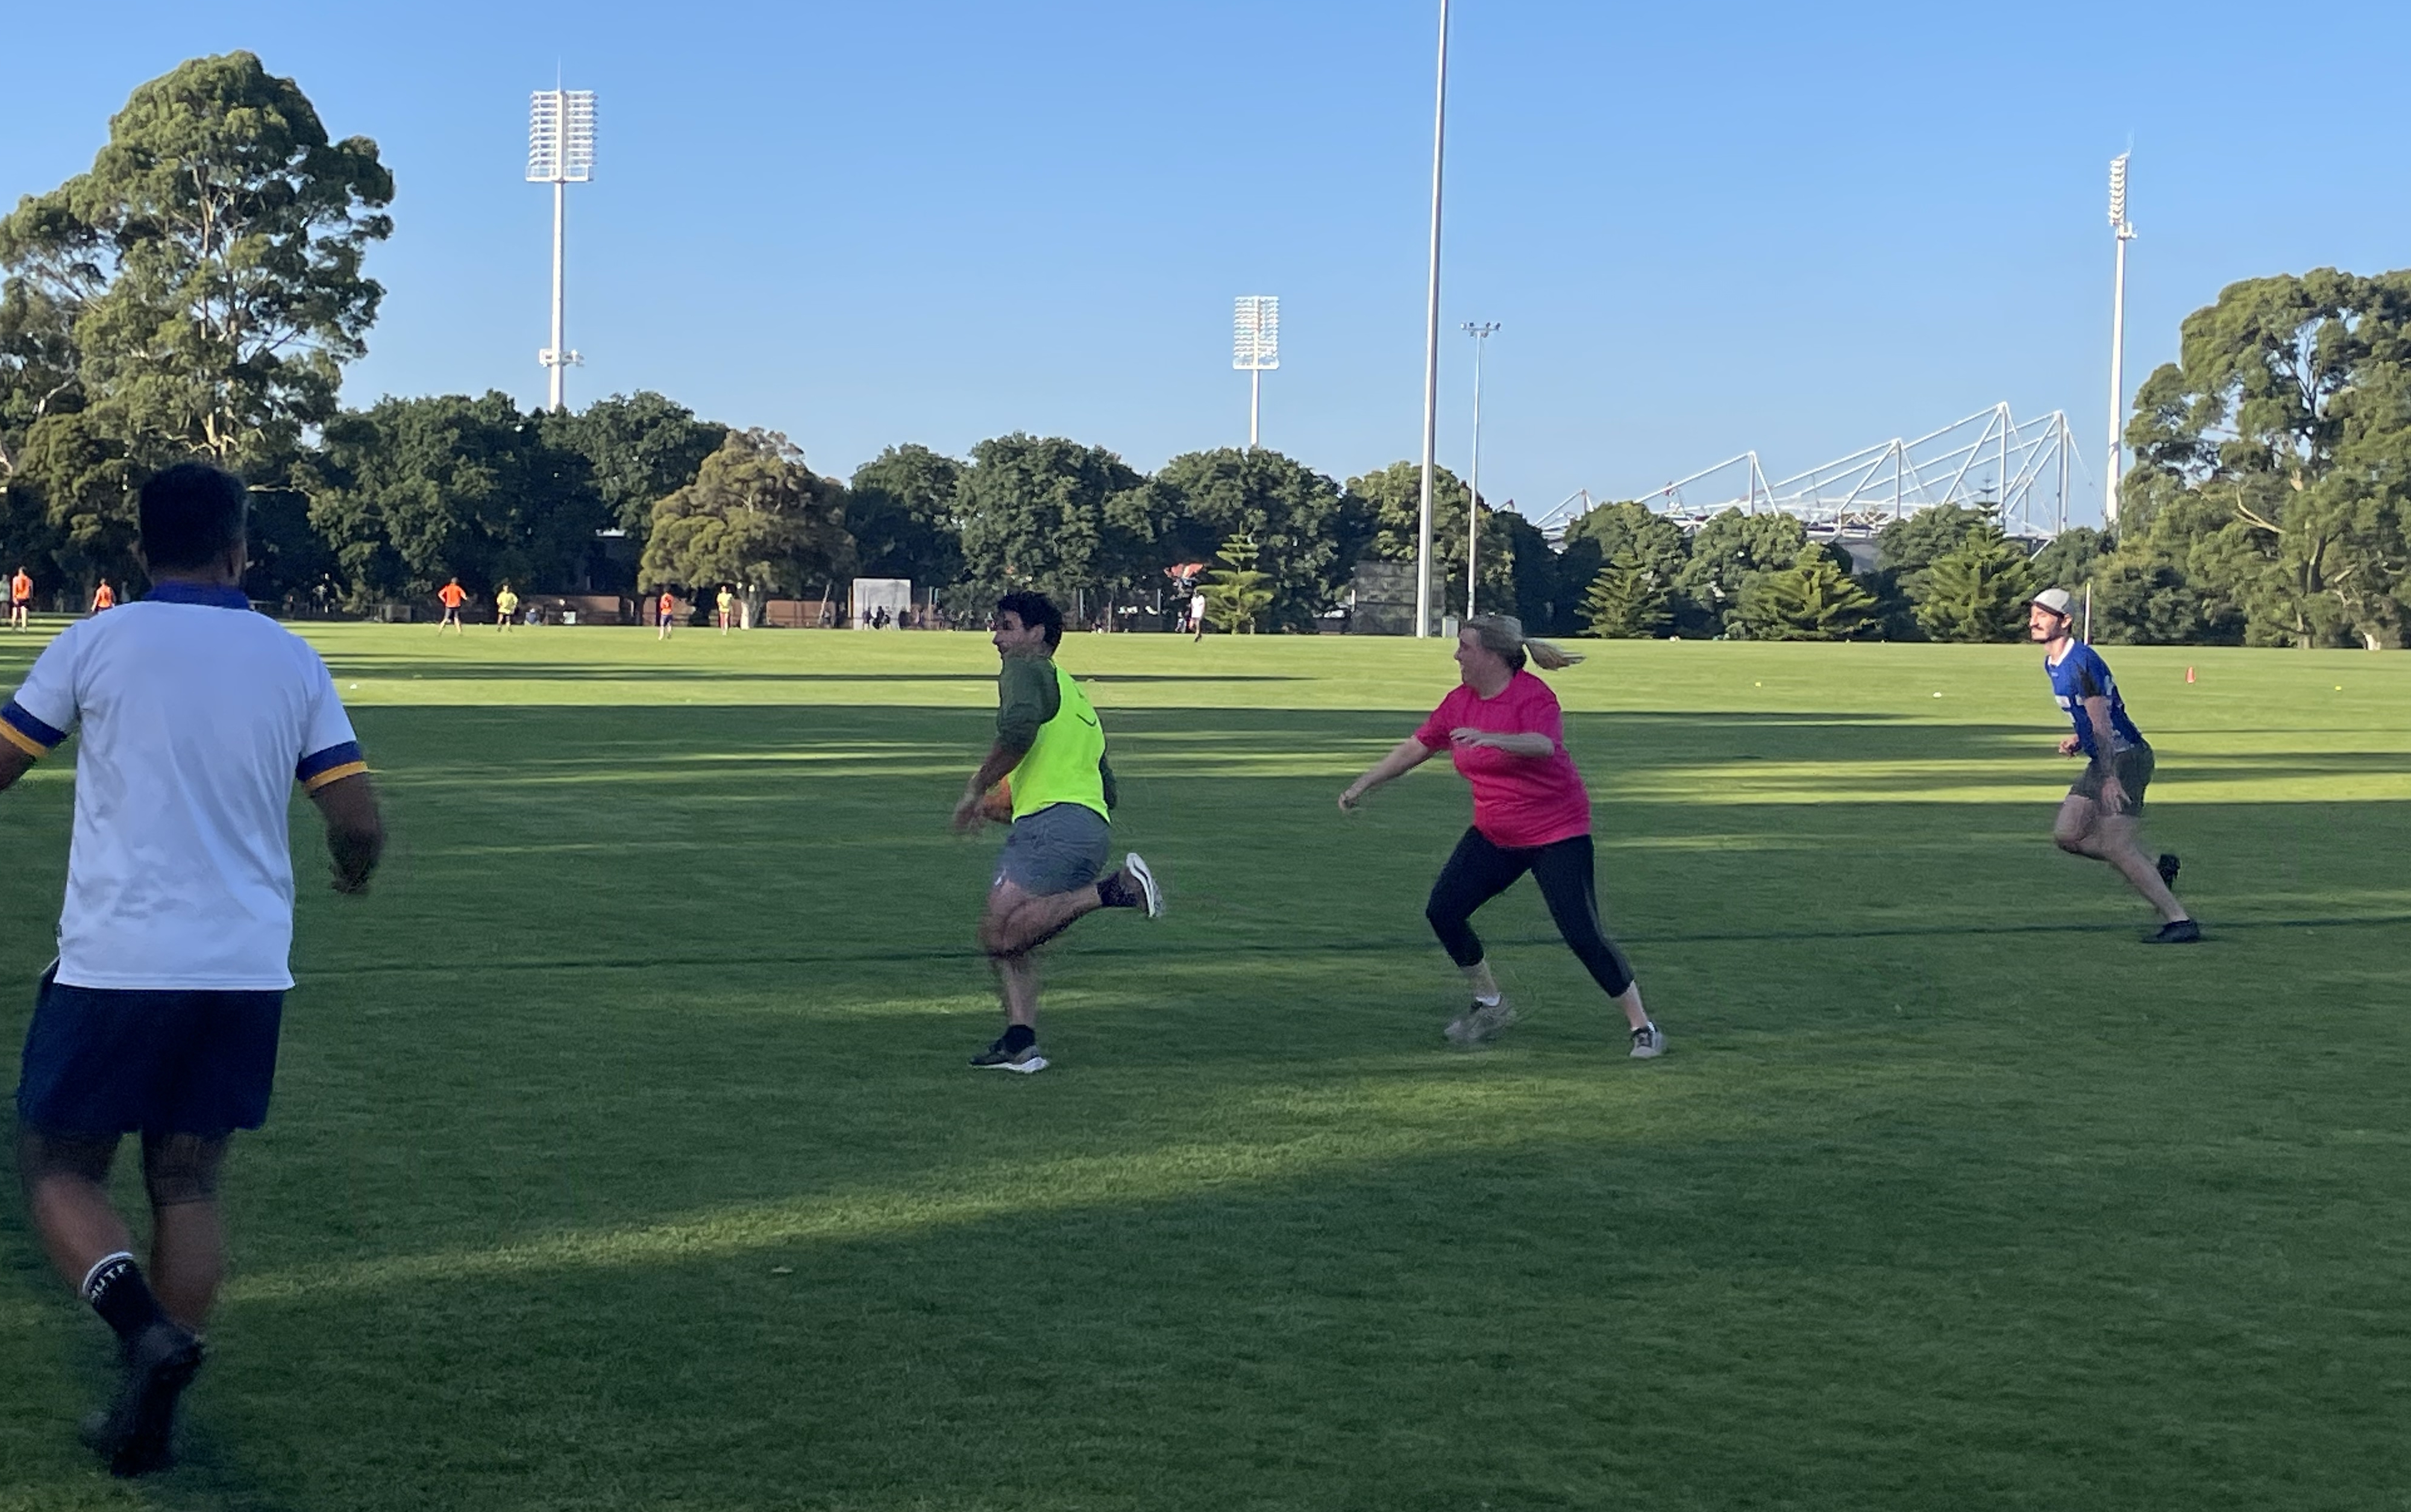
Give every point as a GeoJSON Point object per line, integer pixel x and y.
{"type": "Point", "coordinates": [1479, 871]}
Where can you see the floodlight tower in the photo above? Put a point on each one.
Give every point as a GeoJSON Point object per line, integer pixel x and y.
{"type": "Point", "coordinates": [1255, 349]}
{"type": "Point", "coordinates": [1431, 349]}
{"type": "Point", "coordinates": [2124, 233]}
{"type": "Point", "coordinates": [561, 152]}
{"type": "Point", "coordinates": [1479, 332]}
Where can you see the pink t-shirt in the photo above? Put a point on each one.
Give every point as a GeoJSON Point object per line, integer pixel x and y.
{"type": "Point", "coordinates": [1518, 801]}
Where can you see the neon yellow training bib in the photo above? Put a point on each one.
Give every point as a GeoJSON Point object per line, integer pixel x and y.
{"type": "Point", "coordinates": [1061, 766]}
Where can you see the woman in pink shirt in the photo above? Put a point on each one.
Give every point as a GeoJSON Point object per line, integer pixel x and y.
{"type": "Point", "coordinates": [1530, 813]}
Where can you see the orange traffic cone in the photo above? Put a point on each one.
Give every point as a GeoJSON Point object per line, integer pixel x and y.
{"type": "Point", "coordinates": [2189, 674]}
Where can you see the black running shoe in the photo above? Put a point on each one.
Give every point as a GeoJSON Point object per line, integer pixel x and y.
{"type": "Point", "coordinates": [2181, 932]}
{"type": "Point", "coordinates": [135, 1434]}
{"type": "Point", "coordinates": [997, 1058]}
{"type": "Point", "coordinates": [2169, 864]}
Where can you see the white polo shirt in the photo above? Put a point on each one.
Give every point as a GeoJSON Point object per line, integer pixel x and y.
{"type": "Point", "coordinates": [197, 717]}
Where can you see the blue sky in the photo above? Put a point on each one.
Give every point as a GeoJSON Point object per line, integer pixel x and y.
{"type": "Point", "coordinates": [1704, 227]}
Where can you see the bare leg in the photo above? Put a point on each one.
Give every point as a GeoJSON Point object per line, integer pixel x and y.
{"type": "Point", "coordinates": [1635, 1016]}
{"type": "Point", "coordinates": [1016, 924]}
{"type": "Point", "coordinates": [79, 1228]}
{"type": "Point", "coordinates": [2084, 830]}
{"type": "Point", "coordinates": [1478, 977]}
{"type": "Point", "coordinates": [187, 1238]}
{"type": "Point", "coordinates": [1017, 983]}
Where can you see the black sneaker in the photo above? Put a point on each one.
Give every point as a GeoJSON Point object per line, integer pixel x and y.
{"type": "Point", "coordinates": [2181, 932]}
{"type": "Point", "coordinates": [2169, 864]}
{"type": "Point", "coordinates": [135, 1434]}
{"type": "Point", "coordinates": [997, 1058]}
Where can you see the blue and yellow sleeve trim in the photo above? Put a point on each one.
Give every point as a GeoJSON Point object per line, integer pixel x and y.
{"type": "Point", "coordinates": [26, 733]}
{"type": "Point", "coordinates": [331, 765]}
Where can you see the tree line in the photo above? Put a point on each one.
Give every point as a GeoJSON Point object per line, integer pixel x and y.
{"type": "Point", "coordinates": [199, 290]}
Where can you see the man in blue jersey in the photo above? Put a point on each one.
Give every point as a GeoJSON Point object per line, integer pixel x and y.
{"type": "Point", "coordinates": [2102, 816]}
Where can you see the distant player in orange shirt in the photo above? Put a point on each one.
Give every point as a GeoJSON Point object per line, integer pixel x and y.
{"type": "Point", "coordinates": [104, 597]}
{"type": "Point", "coordinates": [453, 595]}
{"type": "Point", "coordinates": [668, 604]}
{"type": "Point", "coordinates": [20, 599]}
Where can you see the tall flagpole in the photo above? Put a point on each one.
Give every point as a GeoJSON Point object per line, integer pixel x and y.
{"type": "Point", "coordinates": [1431, 349]}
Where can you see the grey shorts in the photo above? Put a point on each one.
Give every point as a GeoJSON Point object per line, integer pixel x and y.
{"type": "Point", "coordinates": [2134, 769]}
{"type": "Point", "coordinates": [1060, 848]}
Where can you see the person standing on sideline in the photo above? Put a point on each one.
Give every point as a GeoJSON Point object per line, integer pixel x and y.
{"type": "Point", "coordinates": [1197, 616]}
{"type": "Point", "coordinates": [726, 608]}
{"type": "Point", "coordinates": [20, 598]}
{"type": "Point", "coordinates": [1530, 813]}
{"type": "Point", "coordinates": [160, 1015]}
{"type": "Point", "coordinates": [2102, 816]}
{"type": "Point", "coordinates": [1049, 757]}
{"type": "Point", "coordinates": [665, 608]}
{"type": "Point", "coordinates": [452, 595]}
{"type": "Point", "coordinates": [104, 596]}
{"type": "Point", "coordinates": [507, 605]}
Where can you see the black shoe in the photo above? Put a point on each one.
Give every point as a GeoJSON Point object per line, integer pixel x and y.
{"type": "Point", "coordinates": [2181, 932]}
{"type": "Point", "coordinates": [2167, 870]}
{"type": "Point", "coordinates": [134, 1433]}
{"type": "Point", "coordinates": [997, 1058]}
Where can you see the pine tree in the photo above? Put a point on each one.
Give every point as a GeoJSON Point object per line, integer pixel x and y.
{"type": "Point", "coordinates": [1977, 591]}
{"type": "Point", "coordinates": [1812, 599]}
{"type": "Point", "coordinates": [1625, 601]}
{"type": "Point", "coordinates": [1235, 595]}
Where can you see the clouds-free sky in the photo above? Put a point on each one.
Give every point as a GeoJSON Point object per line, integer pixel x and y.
{"type": "Point", "coordinates": [1704, 227]}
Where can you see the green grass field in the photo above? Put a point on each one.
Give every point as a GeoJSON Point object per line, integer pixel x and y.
{"type": "Point", "coordinates": [625, 1155]}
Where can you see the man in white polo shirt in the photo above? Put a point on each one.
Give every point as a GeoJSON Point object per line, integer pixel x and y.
{"type": "Point", "coordinates": [160, 1016]}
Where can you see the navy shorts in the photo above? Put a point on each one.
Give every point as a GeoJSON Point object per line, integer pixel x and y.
{"type": "Point", "coordinates": [105, 1061]}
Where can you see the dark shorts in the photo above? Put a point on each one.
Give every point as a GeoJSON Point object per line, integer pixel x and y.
{"type": "Point", "coordinates": [2134, 769]}
{"type": "Point", "coordinates": [103, 1060]}
{"type": "Point", "coordinates": [1060, 848]}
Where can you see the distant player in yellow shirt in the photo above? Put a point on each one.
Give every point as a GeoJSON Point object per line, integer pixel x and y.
{"type": "Point", "coordinates": [727, 608]}
{"type": "Point", "coordinates": [507, 607]}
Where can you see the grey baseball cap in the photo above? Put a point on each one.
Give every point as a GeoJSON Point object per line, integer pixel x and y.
{"type": "Point", "coordinates": [2057, 600]}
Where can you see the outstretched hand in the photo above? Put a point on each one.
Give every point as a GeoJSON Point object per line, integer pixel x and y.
{"type": "Point", "coordinates": [966, 816]}
{"type": "Point", "coordinates": [1349, 797]}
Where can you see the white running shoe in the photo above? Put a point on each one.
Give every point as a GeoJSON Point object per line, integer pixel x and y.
{"type": "Point", "coordinates": [1149, 888]}
{"type": "Point", "coordinates": [1648, 1042]}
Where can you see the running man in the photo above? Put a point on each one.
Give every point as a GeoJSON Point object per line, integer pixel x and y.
{"type": "Point", "coordinates": [20, 598]}
{"type": "Point", "coordinates": [1050, 755]}
{"type": "Point", "coordinates": [727, 608]}
{"type": "Point", "coordinates": [104, 596]}
{"type": "Point", "coordinates": [160, 1015]}
{"type": "Point", "coordinates": [2102, 816]}
{"type": "Point", "coordinates": [664, 608]}
{"type": "Point", "coordinates": [452, 595]}
{"type": "Point", "coordinates": [507, 605]}
{"type": "Point", "coordinates": [1530, 813]}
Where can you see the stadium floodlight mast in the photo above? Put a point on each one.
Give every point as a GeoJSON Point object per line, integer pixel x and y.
{"type": "Point", "coordinates": [1431, 349]}
{"type": "Point", "coordinates": [561, 152]}
{"type": "Point", "coordinates": [1255, 349]}
{"type": "Point", "coordinates": [1479, 332]}
{"type": "Point", "coordinates": [2124, 233]}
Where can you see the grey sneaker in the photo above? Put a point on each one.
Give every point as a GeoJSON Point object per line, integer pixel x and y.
{"type": "Point", "coordinates": [1648, 1042]}
{"type": "Point", "coordinates": [1486, 1021]}
{"type": "Point", "coordinates": [997, 1058]}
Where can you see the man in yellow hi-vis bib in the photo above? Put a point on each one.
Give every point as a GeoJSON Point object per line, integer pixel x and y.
{"type": "Point", "coordinates": [1048, 765]}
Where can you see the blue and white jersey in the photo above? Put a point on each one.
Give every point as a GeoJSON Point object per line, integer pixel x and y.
{"type": "Point", "coordinates": [2083, 674]}
{"type": "Point", "coordinates": [198, 716]}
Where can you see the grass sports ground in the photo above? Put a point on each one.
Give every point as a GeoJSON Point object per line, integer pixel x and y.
{"type": "Point", "coordinates": [624, 1154]}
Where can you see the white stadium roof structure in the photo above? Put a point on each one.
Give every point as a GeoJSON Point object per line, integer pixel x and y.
{"type": "Point", "coordinates": [1989, 459]}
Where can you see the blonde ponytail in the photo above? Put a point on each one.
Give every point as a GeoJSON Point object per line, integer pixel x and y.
{"type": "Point", "coordinates": [1503, 636]}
